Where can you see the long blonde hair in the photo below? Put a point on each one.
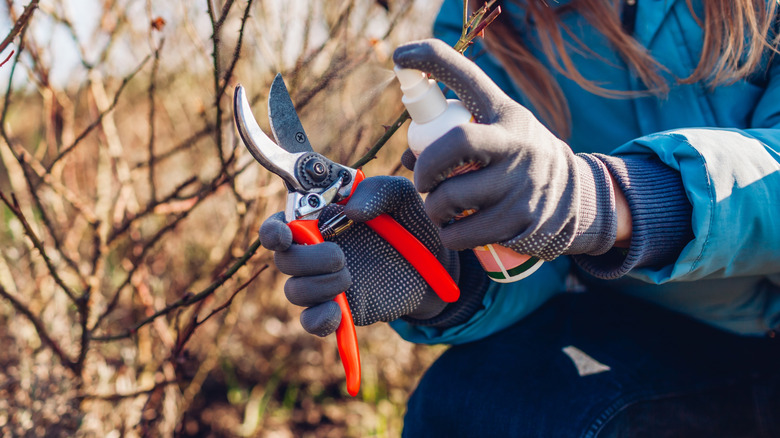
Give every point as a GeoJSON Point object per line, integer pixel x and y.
{"type": "Point", "coordinates": [736, 35]}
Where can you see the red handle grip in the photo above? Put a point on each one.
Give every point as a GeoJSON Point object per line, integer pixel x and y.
{"type": "Point", "coordinates": [418, 255]}
{"type": "Point", "coordinates": [413, 250]}
{"type": "Point", "coordinates": [307, 232]}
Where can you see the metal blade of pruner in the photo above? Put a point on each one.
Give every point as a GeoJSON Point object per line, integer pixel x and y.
{"type": "Point", "coordinates": [317, 179]}
{"type": "Point", "coordinates": [285, 124]}
{"type": "Point", "coordinates": [263, 149]}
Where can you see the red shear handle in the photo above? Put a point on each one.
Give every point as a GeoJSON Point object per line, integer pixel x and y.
{"type": "Point", "coordinates": [307, 232]}
{"type": "Point", "coordinates": [418, 255]}
{"type": "Point", "coordinates": [411, 249]}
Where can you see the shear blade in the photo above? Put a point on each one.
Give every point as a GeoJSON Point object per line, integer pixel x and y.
{"type": "Point", "coordinates": [285, 123]}
{"type": "Point", "coordinates": [265, 151]}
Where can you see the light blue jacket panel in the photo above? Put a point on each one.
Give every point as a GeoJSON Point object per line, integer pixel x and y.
{"type": "Point", "coordinates": [725, 142]}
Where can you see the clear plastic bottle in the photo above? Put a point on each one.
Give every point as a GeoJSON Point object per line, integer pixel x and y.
{"type": "Point", "coordinates": [432, 116]}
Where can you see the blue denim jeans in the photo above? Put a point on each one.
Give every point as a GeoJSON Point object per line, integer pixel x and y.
{"type": "Point", "coordinates": [602, 365]}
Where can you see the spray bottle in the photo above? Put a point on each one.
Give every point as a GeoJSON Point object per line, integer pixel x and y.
{"type": "Point", "coordinates": [432, 116]}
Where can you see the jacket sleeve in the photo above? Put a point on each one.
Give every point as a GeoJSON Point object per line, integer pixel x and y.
{"type": "Point", "coordinates": [732, 179]}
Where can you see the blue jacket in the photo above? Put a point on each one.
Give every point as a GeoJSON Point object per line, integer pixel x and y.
{"type": "Point", "coordinates": [724, 142]}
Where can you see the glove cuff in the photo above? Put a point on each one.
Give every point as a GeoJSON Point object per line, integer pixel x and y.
{"type": "Point", "coordinates": [473, 284]}
{"type": "Point", "coordinates": [596, 229]}
{"type": "Point", "coordinates": [660, 214]}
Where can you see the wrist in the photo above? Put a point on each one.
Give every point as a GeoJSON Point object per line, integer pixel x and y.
{"type": "Point", "coordinates": [597, 218]}
{"type": "Point", "coordinates": [660, 216]}
{"type": "Point", "coordinates": [624, 222]}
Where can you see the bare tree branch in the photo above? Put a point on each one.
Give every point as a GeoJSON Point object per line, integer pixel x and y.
{"type": "Point", "coordinates": [46, 339]}
{"type": "Point", "coordinates": [152, 106]}
{"type": "Point", "coordinates": [187, 299]}
{"type": "Point", "coordinates": [20, 23]}
{"type": "Point", "coordinates": [229, 301]}
{"type": "Point", "coordinates": [14, 207]}
{"type": "Point", "coordinates": [99, 119]}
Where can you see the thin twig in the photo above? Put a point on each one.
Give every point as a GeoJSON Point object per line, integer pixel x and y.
{"type": "Point", "coordinates": [226, 80]}
{"type": "Point", "coordinates": [100, 116]}
{"type": "Point", "coordinates": [43, 334]}
{"type": "Point", "coordinates": [382, 140]}
{"type": "Point", "coordinates": [150, 93]}
{"type": "Point", "coordinates": [224, 13]}
{"type": "Point", "coordinates": [187, 299]}
{"type": "Point", "coordinates": [185, 144]}
{"type": "Point", "coordinates": [216, 27]}
{"type": "Point", "coordinates": [186, 333]}
{"type": "Point", "coordinates": [202, 194]}
{"type": "Point", "coordinates": [229, 301]}
{"type": "Point", "coordinates": [50, 227]}
{"type": "Point", "coordinates": [237, 51]}
{"type": "Point", "coordinates": [7, 97]}
{"type": "Point", "coordinates": [125, 225]}
{"type": "Point", "coordinates": [20, 24]}
{"type": "Point", "coordinates": [13, 205]}
{"type": "Point", "coordinates": [7, 58]}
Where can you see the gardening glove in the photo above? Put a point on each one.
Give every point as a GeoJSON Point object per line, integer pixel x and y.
{"type": "Point", "coordinates": [380, 284]}
{"type": "Point", "coordinates": [532, 193]}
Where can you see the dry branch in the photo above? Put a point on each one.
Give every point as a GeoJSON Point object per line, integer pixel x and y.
{"type": "Point", "coordinates": [20, 23]}
{"type": "Point", "coordinates": [13, 205]}
{"type": "Point", "coordinates": [187, 299]}
{"type": "Point", "coordinates": [100, 116]}
{"type": "Point", "coordinates": [40, 329]}
{"type": "Point", "coordinates": [110, 213]}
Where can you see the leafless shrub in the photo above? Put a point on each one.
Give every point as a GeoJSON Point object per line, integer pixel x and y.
{"type": "Point", "coordinates": [134, 296]}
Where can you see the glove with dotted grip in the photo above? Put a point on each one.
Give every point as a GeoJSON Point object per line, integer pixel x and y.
{"type": "Point", "coordinates": [379, 283]}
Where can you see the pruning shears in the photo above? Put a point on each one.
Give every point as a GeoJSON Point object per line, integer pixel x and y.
{"type": "Point", "coordinates": [313, 182]}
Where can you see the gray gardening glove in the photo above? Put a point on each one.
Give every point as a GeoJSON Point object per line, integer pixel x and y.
{"type": "Point", "coordinates": [533, 194]}
{"type": "Point", "coordinates": [380, 284]}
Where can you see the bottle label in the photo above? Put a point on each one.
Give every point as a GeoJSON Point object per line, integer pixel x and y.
{"type": "Point", "coordinates": [504, 265]}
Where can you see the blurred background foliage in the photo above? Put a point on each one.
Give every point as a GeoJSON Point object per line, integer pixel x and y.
{"type": "Point", "coordinates": [134, 300]}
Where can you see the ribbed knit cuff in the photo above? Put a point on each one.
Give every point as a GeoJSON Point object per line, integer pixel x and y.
{"type": "Point", "coordinates": [597, 214]}
{"type": "Point", "coordinates": [473, 284]}
{"type": "Point", "coordinates": [660, 215]}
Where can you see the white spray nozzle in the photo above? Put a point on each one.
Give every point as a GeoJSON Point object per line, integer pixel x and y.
{"type": "Point", "coordinates": [408, 77]}
{"type": "Point", "coordinates": [422, 96]}
{"type": "Point", "coordinates": [413, 82]}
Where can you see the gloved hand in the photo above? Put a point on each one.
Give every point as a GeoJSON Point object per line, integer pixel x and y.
{"type": "Point", "coordinates": [380, 284]}
{"type": "Point", "coordinates": [532, 193]}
